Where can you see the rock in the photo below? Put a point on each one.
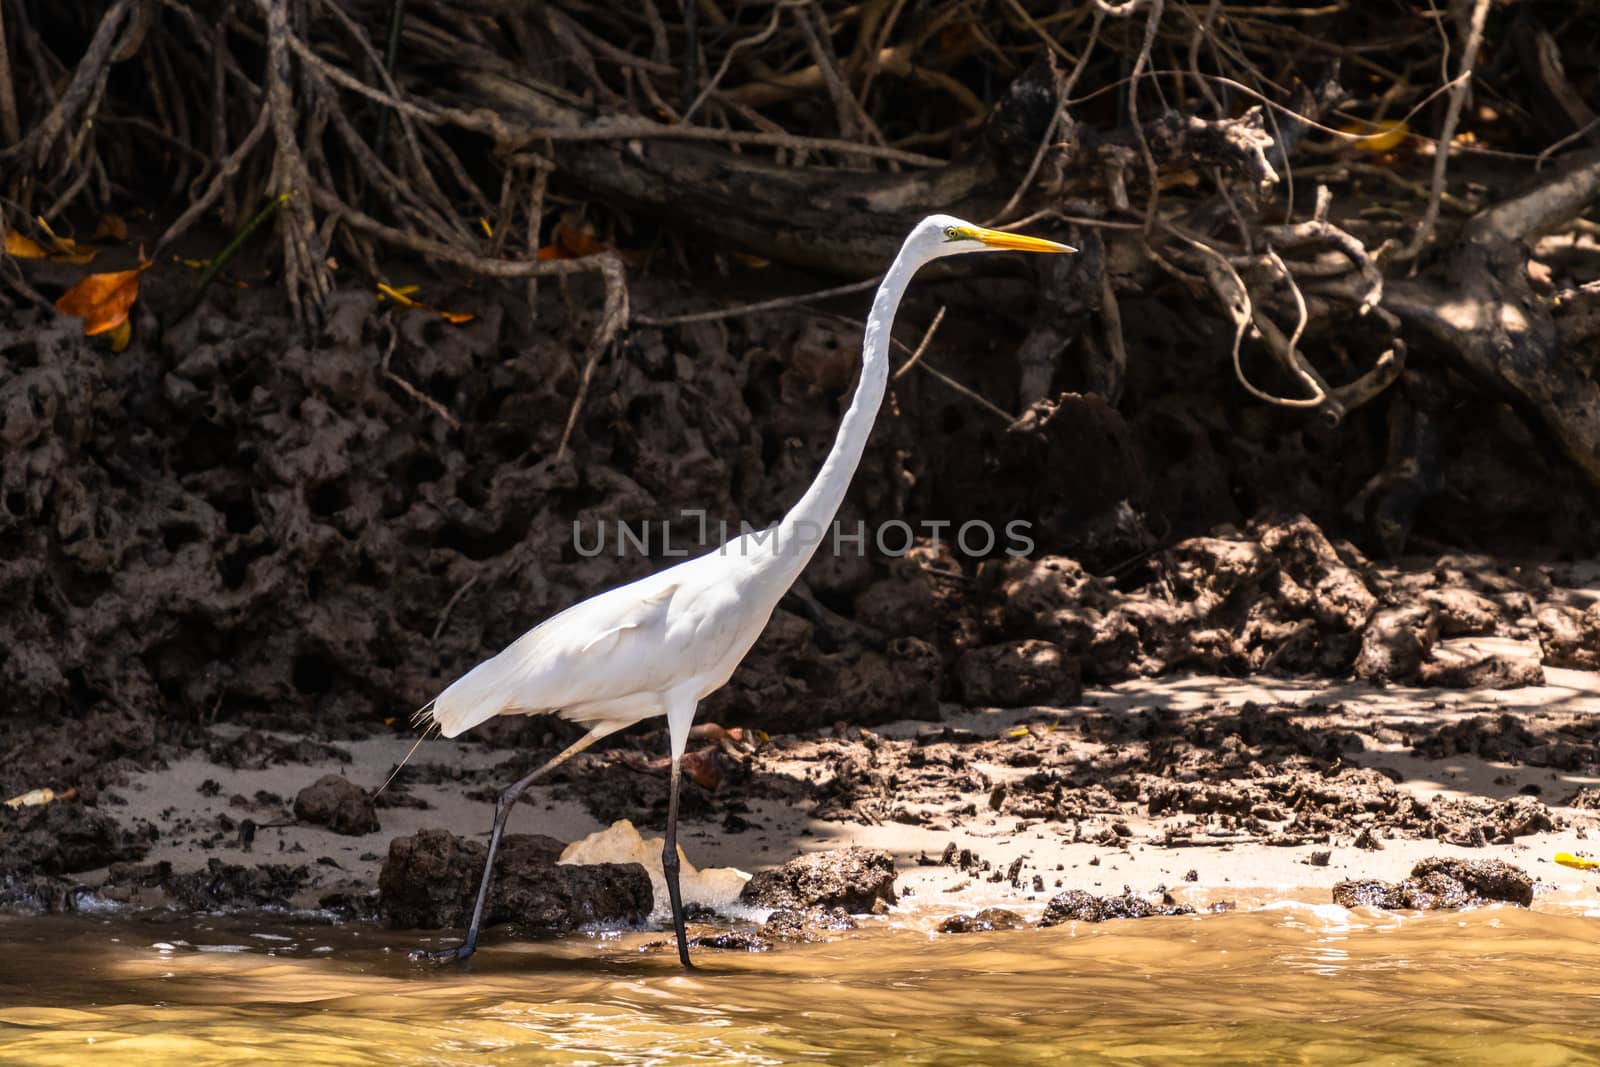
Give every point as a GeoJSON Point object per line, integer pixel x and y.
{"type": "Point", "coordinates": [855, 879]}
{"type": "Point", "coordinates": [1018, 674]}
{"type": "Point", "coordinates": [429, 880]}
{"type": "Point", "coordinates": [339, 804]}
{"type": "Point", "coordinates": [806, 924]}
{"type": "Point", "coordinates": [1077, 905]}
{"type": "Point", "coordinates": [984, 921]}
{"type": "Point", "coordinates": [1568, 637]}
{"type": "Point", "coordinates": [63, 837]}
{"type": "Point", "coordinates": [1441, 883]}
{"type": "Point", "coordinates": [1395, 643]}
{"type": "Point", "coordinates": [1462, 612]}
{"type": "Point", "coordinates": [229, 886]}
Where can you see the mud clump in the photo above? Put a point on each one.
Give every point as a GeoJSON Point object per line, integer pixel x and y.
{"type": "Point", "coordinates": [1077, 905]}
{"type": "Point", "coordinates": [223, 886]}
{"type": "Point", "coordinates": [1439, 884]}
{"type": "Point", "coordinates": [1570, 637]}
{"type": "Point", "coordinates": [983, 922]}
{"type": "Point", "coordinates": [859, 880]}
{"type": "Point", "coordinates": [1396, 642]}
{"type": "Point", "coordinates": [806, 924]}
{"type": "Point", "coordinates": [339, 804]}
{"type": "Point", "coordinates": [430, 880]}
{"type": "Point", "coordinates": [1018, 674]}
{"type": "Point", "coordinates": [63, 838]}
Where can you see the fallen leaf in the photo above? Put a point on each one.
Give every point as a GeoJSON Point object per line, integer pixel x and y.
{"type": "Point", "coordinates": [111, 227]}
{"type": "Point", "coordinates": [120, 335]}
{"type": "Point", "coordinates": [488, 231]}
{"type": "Point", "coordinates": [21, 246]}
{"type": "Point", "coordinates": [102, 300]}
{"type": "Point", "coordinates": [457, 317]}
{"type": "Point", "coordinates": [401, 295]}
{"type": "Point", "coordinates": [1378, 136]}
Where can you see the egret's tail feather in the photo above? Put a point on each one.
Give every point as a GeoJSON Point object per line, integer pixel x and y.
{"type": "Point", "coordinates": [485, 691]}
{"type": "Point", "coordinates": [387, 782]}
{"type": "Point", "coordinates": [422, 714]}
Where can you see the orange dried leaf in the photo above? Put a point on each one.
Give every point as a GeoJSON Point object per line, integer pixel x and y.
{"type": "Point", "coordinates": [102, 300]}
{"type": "Point", "coordinates": [22, 246]}
{"type": "Point", "coordinates": [552, 252]}
{"type": "Point", "coordinates": [111, 227]}
{"type": "Point", "coordinates": [576, 242]}
{"type": "Point", "coordinates": [120, 335]}
{"type": "Point", "coordinates": [457, 317]}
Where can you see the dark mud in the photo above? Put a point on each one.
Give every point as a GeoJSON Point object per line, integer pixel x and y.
{"type": "Point", "coordinates": [430, 881]}
{"type": "Point", "coordinates": [225, 526]}
{"type": "Point", "coordinates": [854, 879]}
{"type": "Point", "coordinates": [1437, 884]}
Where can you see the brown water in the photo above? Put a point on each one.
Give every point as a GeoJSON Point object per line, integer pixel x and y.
{"type": "Point", "coordinates": [1293, 985]}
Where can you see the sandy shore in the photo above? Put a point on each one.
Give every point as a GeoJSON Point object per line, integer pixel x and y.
{"type": "Point", "coordinates": [181, 801]}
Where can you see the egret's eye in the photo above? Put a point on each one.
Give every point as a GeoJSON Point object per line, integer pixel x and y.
{"type": "Point", "coordinates": [951, 233]}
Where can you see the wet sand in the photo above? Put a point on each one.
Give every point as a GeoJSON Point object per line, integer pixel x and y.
{"type": "Point", "coordinates": [787, 792]}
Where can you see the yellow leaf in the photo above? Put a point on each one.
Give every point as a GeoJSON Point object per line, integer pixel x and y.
{"type": "Point", "coordinates": [1018, 733]}
{"type": "Point", "coordinates": [1567, 859]}
{"type": "Point", "coordinates": [120, 335]}
{"type": "Point", "coordinates": [195, 264]}
{"type": "Point", "coordinates": [399, 296]}
{"type": "Point", "coordinates": [23, 247]}
{"type": "Point", "coordinates": [488, 231]}
{"type": "Point", "coordinates": [1378, 136]}
{"type": "Point", "coordinates": [111, 227]}
{"type": "Point", "coordinates": [102, 301]}
{"type": "Point", "coordinates": [457, 317]}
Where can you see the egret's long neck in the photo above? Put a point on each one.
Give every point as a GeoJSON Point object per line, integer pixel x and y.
{"type": "Point", "coordinates": [809, 523]}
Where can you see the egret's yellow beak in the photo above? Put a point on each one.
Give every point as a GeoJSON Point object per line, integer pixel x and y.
{"type": "Point", "coordinates": [1017, 242]}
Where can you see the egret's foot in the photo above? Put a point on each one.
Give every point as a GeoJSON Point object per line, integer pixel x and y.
{"type": "Point", "coordinates": [460, 952]}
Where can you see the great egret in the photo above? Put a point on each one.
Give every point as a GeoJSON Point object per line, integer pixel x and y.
{"type": "Point", "coordinates": [659, 645]}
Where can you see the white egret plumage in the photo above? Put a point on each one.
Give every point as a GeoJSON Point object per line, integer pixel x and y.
{"type": "Point", "coordinates": [659, 645]}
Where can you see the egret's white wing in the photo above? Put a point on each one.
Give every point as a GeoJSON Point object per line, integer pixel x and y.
{"type": "Point", "coordinates": [605, 647]}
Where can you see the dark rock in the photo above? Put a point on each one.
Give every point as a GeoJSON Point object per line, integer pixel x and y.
{"type": "Point", "coordinates": [1018, 674]}
{"type": "Point", "coordinates": [1569, 637]}
{"type": "Point", "coordinates": [429, 880]}
{"type": "Point", "coordinates": [339, 804]}
{"type": "Point", "coordinates": [1395, 643]}
{"type": "Point", "coordinates": [984, 921]}
{"type": "Point", "coordinates": [228, 886]}
{"type": "Point", "coordinates": [62, 837]}
{"type": "Point", "coordinates": [806, 924]}
{"type": "Point", "coordinates": [1441, 883]}
{"type": "Point", "coordinates": [1077, 905]}
{"type": "Point", "coordinates": [855, 879]}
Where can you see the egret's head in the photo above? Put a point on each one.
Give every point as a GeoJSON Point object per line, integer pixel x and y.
{"type": "Point", "coordinates": [945, 235]}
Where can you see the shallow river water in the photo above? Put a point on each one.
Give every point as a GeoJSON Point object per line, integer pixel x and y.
{"type": "Point", "coordinates": [1291, 984]}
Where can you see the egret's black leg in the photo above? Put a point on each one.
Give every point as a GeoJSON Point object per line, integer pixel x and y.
{"type": "Point", "coordinates": [669, 866]}
{"type": "Point", "coordinates": [502, 810]}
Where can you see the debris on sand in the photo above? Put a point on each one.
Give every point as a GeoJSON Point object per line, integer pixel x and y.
{"type": "Point", "coordinates": [429, 880]}
{"type": "Point", "coordinates": [1077, 905]}
{"type": "Point", "coordinates": [1441, 883]}
{"type": "Point", "coordinates": [859, 880]}
{"type": "Point", "coordinates": [339, 804]}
